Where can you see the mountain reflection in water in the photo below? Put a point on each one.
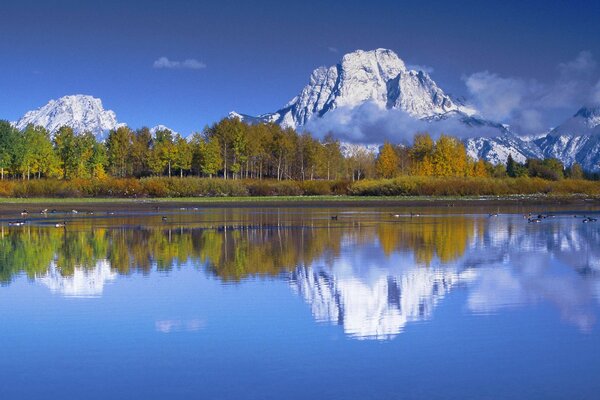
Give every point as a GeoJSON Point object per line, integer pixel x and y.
{"type": "Point", "coordinates": [373, 278]}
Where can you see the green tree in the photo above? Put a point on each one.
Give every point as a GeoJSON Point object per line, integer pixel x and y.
{"type": "Point", "coordinates": [119, 148]}
{"type": "Point", "coordinates": [65, 147]}
{"type": "Point", "coordinates": [182, 159]}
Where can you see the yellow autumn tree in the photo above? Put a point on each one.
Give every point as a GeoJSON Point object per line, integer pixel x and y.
{"type": "Point", "coordinates": [479, 169]}
{"type": "Point", "coordinates": [421, 155]}
{"type": "Point", "coordinates": [387, 162]}
{"type": "Point", "coordinates": [449, 157]}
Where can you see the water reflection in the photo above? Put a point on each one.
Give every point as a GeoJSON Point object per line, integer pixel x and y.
{"type": "Point", "coordinates": [372, 276]}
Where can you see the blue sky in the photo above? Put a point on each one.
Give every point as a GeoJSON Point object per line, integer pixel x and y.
{"type": "Point", "coordinates": [253, 57]}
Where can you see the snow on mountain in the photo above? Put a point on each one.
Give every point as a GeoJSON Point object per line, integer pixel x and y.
{"type": "Point", "coordinates": [161, 127]}
{"type": "Point", "coordinates": [381, 77]}
{"type": "Point", "coordinates": [353, 149]}
{"type": "Point", "coordinates": [575, 140]}
{"type": "Point", "coordinates": [377, 76]}
{"type": "Point", "coordinates": [80, 112]}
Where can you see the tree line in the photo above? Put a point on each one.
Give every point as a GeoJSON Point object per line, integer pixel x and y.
{"type": "Point", "coordinates": [232, 149]}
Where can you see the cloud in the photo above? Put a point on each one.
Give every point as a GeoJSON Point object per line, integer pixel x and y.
{"type": "Point", "coordinates": [496, 97]}
{"type": "Point", "coordinates": [595, 96]}
{"type": "Point", "coordinates": [418, 67]}
{"type": "Point", "coordinates": [333, 49]}
{"type": "Point", "coordinates": [531, 106]}
{"type": "Point", "coordinates": [177, 325]}
{"type": "Point", "coordinates": [190, 63]}
{"type": "Point", "coordinates": [370, 123]}
{"type": "Point", "coordinates": [584, 63]}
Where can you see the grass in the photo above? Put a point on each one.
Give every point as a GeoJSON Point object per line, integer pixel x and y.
{"type": "Point", "coordinates": [203, 190]}
{"type": "Point", "coordinates": [280, 199]}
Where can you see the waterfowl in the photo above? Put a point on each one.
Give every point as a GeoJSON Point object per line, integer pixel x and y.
{"type": "Point", "coordinates": [412, 214]}
{"type": "Point", "coordinates": [493, 215]}
{"type": "Point", "coordinates": [589, 219]}
{"type": "Point", "coordinates": [16, 223]}
{"type": "Point", "coordinates": [24, 212]}
{"type": "Point", "coordinates": [334, 217]}
{"type": "Point", "coordinates": [60, 224]}
{"type": "Point", "coordinates": [74, 211]}
{"type": "Point", "coordinates": [164, 218]}
{"type": "Point", "coordinates": [530, 220]}
{"type": "Point", "coordinates": [44, 211]}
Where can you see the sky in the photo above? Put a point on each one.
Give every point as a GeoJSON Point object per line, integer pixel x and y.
{"type": "Point", "coordinates": [186, 64]}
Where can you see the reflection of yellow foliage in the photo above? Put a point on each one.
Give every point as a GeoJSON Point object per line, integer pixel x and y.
{"type": "Point", "coordinates": [259, 245]}
{"type": "Point", "coordinates": [444, 237]}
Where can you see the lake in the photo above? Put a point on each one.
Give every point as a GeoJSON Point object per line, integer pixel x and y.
{"type": "Point", "coordinates": [297, 303]}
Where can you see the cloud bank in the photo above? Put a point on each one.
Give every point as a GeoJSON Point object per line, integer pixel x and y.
{"type": "Point", "coordinates": [190, 63]}
{"type": "Point", "coordinates": [529, 105]}
{"type": "Point", "coordinates": [369, 123]}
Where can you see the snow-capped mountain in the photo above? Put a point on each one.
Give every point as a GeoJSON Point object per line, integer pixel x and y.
{"type": "Point", "coordinates": [80, 112]}
{"type": "Point", "coordinates": [377, 76]}
{"type": "Point", "coordinates": [575, 140]}
{"type": "Point", "coordinates": [161, 127]}
{"type": "Point", "coordinates": [380, 77]}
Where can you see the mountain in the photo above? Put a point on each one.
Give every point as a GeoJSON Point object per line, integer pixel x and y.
{"type": "Point", "coordinates": [80, 112]}
{"type": "Point", "coordinates": [160, 127]}
{"type": "Point", "coordinates": [575, 140]}
{"type": "Point", "coordinates": [380, 77]}
{"type": "Point", "coordinates": [377, 76]}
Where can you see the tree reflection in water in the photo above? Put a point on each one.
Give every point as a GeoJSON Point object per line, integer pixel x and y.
{"type": "Point", "coordinates": [371, 277]}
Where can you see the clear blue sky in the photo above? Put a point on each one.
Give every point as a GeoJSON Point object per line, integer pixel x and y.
{"type": "Point", "coordinates": [257, 55]}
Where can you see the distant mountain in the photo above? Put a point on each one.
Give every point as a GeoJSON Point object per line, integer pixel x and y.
{"type": "Point", "coordinates": [381, 77]}
{"type": "Point", "coordinates": [159, 127]}
{"type": "Point", "coordinates": [575, 140]}
{"type": "Point", "coordinates": [80, 112]}
{"type": "Point", "coordinates": [377, 76]}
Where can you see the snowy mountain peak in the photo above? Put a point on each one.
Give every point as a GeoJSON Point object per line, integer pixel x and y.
{"type": "Point", "coordinates": [80, 112]}
{"type": "Point", "coordinates": [377, 76]}
{"type": "Point", "coordinates": [591, 116]}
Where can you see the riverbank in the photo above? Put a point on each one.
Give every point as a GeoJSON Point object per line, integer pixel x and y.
{"type": "Point", "coordinates": [11, 206]}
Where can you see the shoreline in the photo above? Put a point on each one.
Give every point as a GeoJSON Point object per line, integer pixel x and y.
{"type": "Point", "coordinates": [10, 205]}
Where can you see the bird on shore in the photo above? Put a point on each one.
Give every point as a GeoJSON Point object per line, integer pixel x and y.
{"type": "Point", "coordinates": [61, 224]}
{"type": "Point", "coordinates": [334, 217]}
{"type": "Point", "coordinates": [164, 218]}
{"type": "Point", "coordinates": [24, 212]}
{"type": "Point", "coordinates": [44, 211]}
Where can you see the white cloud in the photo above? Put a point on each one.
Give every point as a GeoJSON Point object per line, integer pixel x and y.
{"type": "Point", "coordinates": [584, 63]}
{"type": "Point", "coordinates": [190, 63]}
{"type": "Point", "coordinates": [418, 67]}
{"type": "Point", "coordinates": [333, 49]}
{"type": "Point", "coordinates": [496, 97]}
{"type": "Point", "coordinates": [530, 106]}
{"type": "Point", "coordinates": [595, 97]}
{"type": "Point", "coordinates": [369, 123]}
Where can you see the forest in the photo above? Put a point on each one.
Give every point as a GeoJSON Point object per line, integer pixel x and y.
{"type": "Point", "coordinates": [261, 159]}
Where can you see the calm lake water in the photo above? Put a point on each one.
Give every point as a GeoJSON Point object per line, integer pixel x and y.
{"type": "Point", "coordinates": [290, 304]}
